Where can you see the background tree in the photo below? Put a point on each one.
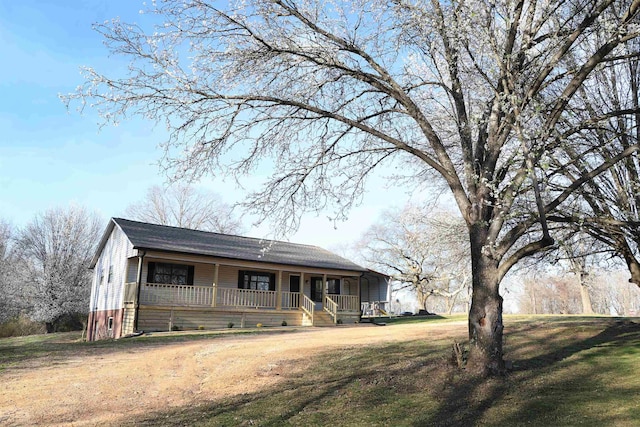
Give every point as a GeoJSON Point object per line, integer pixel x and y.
{"type": "Point", "coordinates": [612, 294]}
{"type": "Point", "coordinates": [555, 293]}
{"type": "Point", "coordinates": [182, 205]}
{"type": "Point", "coordinates": [577, 251]}
{"type": "Point", "coordinates": [608, 207]}
{"type": "Point", "coordinates": [10, 305]}
{"type": "Point", "coordinates": [427, 254]}
{"type": "Point", "coordinates": [550, 294]}
{"type": "Point", "coordinates": [55, 249]}
{"type": "Point", "coordinates": [475, 94]}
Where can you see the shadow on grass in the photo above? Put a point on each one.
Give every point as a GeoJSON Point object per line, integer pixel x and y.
{"type": "Point", "coordinates": [619, 333]}
{"type": "Point", "coordinates": [412, 384]}
{"type": "Point", "coordinates": [348, 387]}
{"type": "Point", "coordinates": [552, 388]}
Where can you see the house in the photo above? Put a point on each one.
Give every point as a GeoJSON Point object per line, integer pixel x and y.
{"type": "Point", "coordinates": [151, 277]}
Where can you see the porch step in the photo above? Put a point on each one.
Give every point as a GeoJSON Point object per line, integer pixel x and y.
{"type": "Point", "coordinates": [322, 318]}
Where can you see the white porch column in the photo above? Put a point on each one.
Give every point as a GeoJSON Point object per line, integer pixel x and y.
{"type": "Point", "coordinates": [279, 291]}
{"type": "Point", "coordinates": [324, 288]}
{"type": "Point", "coordinates": [214, 294]}
{"type": "Point", "coordinates": [138, 281]}
{"type": "Point", "coordinates": [301, 286]}
{"type": "Point", "coordinates": [359, 296]}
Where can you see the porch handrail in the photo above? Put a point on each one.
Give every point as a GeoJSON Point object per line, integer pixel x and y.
{"type": "Point", "coordinates": [374, 308]}
{"type": "Point", "coordinates": [246, 298]}
{"type": "Point", "coordinates": [331, 307]}
{"type": "Point", "coordinates": [290, 300]}
{"type": "Point", "coordinates": [308, 306]}
{"type": "Point", "coordinates": [346, 302]}
{"type": "Point", "coordinates": [176, 295]}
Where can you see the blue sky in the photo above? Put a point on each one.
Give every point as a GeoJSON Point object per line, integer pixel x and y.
{"type": "Point", "coordinates": [50, 157]}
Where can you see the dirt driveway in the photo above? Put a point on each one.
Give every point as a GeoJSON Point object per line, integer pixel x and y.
{"type": "Point", "coordinates": [99, 387]}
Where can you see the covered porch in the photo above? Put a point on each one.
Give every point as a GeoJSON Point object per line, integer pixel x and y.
{"type": "Point", "coordinates": [212, 296]}
{"type": "Point", "coordinates": [212, 287]}
{"type": "Point", "coordinates": [242, 300]}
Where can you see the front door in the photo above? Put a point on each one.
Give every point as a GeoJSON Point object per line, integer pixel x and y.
{"type": "Point", "coordinates": [316, 289]}
{"type": "Point", "coordinates": [294, 283]}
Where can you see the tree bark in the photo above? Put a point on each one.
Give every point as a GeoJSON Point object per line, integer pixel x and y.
{"type": "Point", "coordinates": [485, 316]}
{"type": "Point", "coordinates": [587, 307]}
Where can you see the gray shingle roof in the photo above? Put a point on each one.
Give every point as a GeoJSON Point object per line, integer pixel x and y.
{"type": "Point", "coordinates": [183, 240]}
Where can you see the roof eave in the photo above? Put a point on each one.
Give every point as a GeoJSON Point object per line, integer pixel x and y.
{"type": "Point", "coordinates": [144, 248]}
{"type": "Point", "coordinates": [103, 241]}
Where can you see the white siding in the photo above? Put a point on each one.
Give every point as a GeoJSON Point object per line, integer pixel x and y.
{"type": "Point", "coordinates": [105, 294]}
{"type": "Point", "coordinates": [375, 289]}
{"type": "Point", "coordinates": [228, 276]}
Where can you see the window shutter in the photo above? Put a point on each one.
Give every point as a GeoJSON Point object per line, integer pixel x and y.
{"type": "Point", "coordinates": [151, 271]}
{"type": "Point", "coordinates": [190, 271]}
{"type": "Point", "coordinates": [338, 287]}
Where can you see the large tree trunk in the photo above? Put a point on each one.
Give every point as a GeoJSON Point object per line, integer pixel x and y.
{"type": "Point", "coordinates": [587, 307]}
{"type": "Point", "coordinates": [485, 316]}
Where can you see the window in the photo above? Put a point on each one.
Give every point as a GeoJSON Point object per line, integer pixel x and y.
{"type": "Point", "coordinates": [110, 274]}
{"type": "Point", "coordinates": [110, 324]}
{"type": "Point", "coordinates": [333, 286]}
{"type": "Point", "coordinates": [170, 274]}
{"type": "Point", "coordinates": [101, 282]}
{"type": "Point", "coordinates": [257, 280]}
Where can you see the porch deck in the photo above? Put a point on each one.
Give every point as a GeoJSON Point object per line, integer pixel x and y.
{"type": "Point", "coordinates": [155, 294]}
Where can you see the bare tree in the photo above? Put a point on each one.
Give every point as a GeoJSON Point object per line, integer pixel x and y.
{"type": "Point", "coordinates": [55, 249]}
{"type": "Point", "coordinates": [182, 205]}
{"type": "Point", "coordinates": [10, 304]}
{"type": "Point", "coordinates": [476, 95]}
{"type": "Point", "coordinates": [554, 293]}
{"type": "Point", "coordinates": [548, 292]}
{"type": "Point", "coordinates": [425, 253]}
{"type": "Point", "coordinates": [577, 250]}
{"type": "Point", "coordinates": [608, 207]}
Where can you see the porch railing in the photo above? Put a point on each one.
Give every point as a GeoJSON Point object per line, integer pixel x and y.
{"type": "Point", "coordinates": [308, 306]}
{"type": "Point", "coordinates": [189, 295]}
{"type": "Point", "coordinates": [347, 303]}
{"type": "Point", "coordinates": [181, 295]}
{"type": "Point", "coordinates": [374, 308]}
{"type": "Point", "coordinates": [290, 300]}
{"type": "Point", "coordinates": [331, 307]}
{"type": "Point", "coordinates": [246, 298]}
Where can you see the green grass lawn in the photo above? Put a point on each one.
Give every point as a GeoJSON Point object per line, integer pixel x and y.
{"type": "Point", "coordinates": [566, 371]}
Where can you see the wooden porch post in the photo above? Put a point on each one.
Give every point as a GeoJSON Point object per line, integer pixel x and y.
{"type": "Point", "coordinates": [324, 288]}
{"type": "Point", "coordinates": [301, 286]}
{"type": "Point", "coordinates": [279, 291]}
{"type": "Point", "coordinates": [136, 305]}
{"type": "Point", "coordinates": [359, 296]}
{"type": "Point", "coordinates": [214, 296]}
